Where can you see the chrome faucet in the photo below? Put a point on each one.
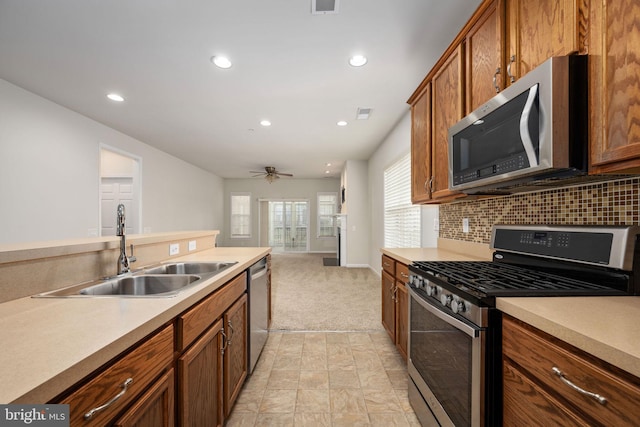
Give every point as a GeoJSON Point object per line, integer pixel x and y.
{"type": "Point", "coordinates": [123, 259]}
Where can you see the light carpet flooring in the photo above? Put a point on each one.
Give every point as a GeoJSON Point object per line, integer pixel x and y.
{"type": "Point", "coordinates": [307, 296]}
{"type": "Point", "coordinates": [328, 361]}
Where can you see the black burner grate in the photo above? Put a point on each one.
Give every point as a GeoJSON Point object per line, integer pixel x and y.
{"type": "Point", "coordinates": [495, 279]}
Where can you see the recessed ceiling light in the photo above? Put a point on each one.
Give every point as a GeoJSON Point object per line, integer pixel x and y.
{"type": "Point", "coordinates": [328, 164]}
{"type": "Point", "coordinates": [115, 97]}
{"type": "Point", "coordinates": [221, 61]}
{"type": "Point", "coordinates": [358, 60]}
{"type": "Point", "coordinates": [265, 123]}
{"type": "Point", "coordinates": [342, 123]}
{"type": "Point", "coordinates": [327, 172]}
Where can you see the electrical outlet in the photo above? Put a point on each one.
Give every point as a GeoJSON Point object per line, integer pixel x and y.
{"type": "Point", "coordinates": [436, 224]}
{"type": "Point", "coordinates": [465, 225]}
{"type": "Point", "coordinates": [192, 245]}
{"type": "Point", "coordinates": [174, 249]}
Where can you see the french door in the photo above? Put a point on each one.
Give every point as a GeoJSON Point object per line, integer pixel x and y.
{"type": "Point", "coordinates": [285, 225]}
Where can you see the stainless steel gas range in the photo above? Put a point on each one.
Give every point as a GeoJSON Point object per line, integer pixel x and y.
{"type": "Point", "coordinates": [454, 336]}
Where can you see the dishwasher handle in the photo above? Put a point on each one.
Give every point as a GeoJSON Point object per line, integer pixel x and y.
{"type": "Point", "coordinates": [256, 274]}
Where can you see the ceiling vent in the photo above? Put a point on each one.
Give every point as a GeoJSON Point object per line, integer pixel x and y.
{"type": "Point", "coordinates": [324, 7]}
{"type": "Point", "coordinates": [363, 113]}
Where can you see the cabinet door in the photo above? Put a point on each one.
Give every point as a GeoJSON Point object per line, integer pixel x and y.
{"type": "Point", "coordinates": [235, 353]}
{"type": "Point", "coordinates": [485, 70]}
{"type": "Point", "coordinates": [155, 408]}
{"type": "Point", "coordinates": [421, 147]}
{"type": "Point", "coordinates": [402, 318]}
{"type": "Point", "coordinates": [388, 304]}
{"type": "Point", "coordinates": [448, 98]}
{"type": "Point", "coordinates": [614, 94]}
{"type": "Point", "coordinates": [540, 29]}
{"type": "Point", "coordinates": [200, 381]}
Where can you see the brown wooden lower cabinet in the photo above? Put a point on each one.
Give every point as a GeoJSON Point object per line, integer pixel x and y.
{"type": "Point", "coordinates": [200, 380]}
{"type": "Point", "coordinates": [395, 302]}
{"type": "Point", "coordinates": [235, 353]}
{"type": "Point", "coordinates": [537, 370]}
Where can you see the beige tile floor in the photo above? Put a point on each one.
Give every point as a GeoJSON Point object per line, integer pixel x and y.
{"type": "Point", "coordinates": [326, 379]}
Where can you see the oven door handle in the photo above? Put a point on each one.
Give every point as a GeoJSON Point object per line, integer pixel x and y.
{"type": "Point", "coordinates": [473, 332]}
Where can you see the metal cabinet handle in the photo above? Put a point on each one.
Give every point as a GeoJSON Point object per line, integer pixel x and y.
{"type": "Point", "coordinates": [580, 390]}
{"type": "Point", "coordinates": [395, 294]}
{"type": "Point", "coordinates": [231, 334]}
{"type": "Point", "coordinates": [124, 386]}
{"type": "Point", "coordinates": [224, 341]}
{"type": "Point", "coordinates": [403, 274]}
{"type": "Point", "coordinates": [495, 80]}
{"type": "Point", "coordinates": [511, 61]}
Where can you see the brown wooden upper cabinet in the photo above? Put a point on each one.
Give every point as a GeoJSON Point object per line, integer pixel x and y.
{"type": "Point", "coordinates": [447, 89]}
{"type": "Point", "coordinates": [614, 94]}
{"type": "Point", "coordinates": [504, 40]}
{"type": "Point", "coordinates": [540, 29]}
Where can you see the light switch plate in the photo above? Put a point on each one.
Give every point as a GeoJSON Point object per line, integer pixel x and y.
{"type": "Point", "coordinates": [174, 249]}
{"type": "Point", "coordinates": [436, 224]}
{"type": "Point", "coordinates": [465, 225]}
{"type": "Point", "coordinates": [192, 245]}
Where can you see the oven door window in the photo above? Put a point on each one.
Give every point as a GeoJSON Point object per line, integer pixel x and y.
{"type": "Point", "coordinates": [448, 360]}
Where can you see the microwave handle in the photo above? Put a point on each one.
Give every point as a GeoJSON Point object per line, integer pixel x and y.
{"type": "Point", "coordinates": [524, 127]}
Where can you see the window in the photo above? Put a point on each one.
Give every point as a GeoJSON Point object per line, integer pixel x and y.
{"type": "Point", "coordinates": [327, 209]}
{"type": "Point", "coordinates": [240, 215]}
{"type": "Point", "coordinates": [401, 218]}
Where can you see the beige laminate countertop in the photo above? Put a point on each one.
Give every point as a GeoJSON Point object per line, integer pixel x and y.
{"type": "Point", "coordinates": [606, 327]}
{"type": "Point", "coordinates": [49, 344]}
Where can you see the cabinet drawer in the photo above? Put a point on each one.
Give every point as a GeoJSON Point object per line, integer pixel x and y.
{"type": "Point", "coordinates": [520, 392]}
{"type": "Point", "coordinates": [537, 353]}
{"type": "Point", "coordinates": [196, 320]}
{"type": "Point", "coordinates": [144, 364]}
{"type": "Point", "coordinates": [402, 272]}
{"type": "Point", "coordinates": [389, 265]}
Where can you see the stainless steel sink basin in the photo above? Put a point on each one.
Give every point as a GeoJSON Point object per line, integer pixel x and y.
{"type": "Point", "coordinates": [165, 280]}
{"type": "Point", "coordinates": [143, 285]}
{"type": "Point", "coordinates": [190, 268]}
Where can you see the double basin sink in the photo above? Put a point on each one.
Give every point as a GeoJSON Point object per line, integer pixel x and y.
{"type": "Point", "coordinates": [164, 280]}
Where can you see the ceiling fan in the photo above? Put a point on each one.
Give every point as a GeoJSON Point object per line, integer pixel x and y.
{"type": "Point", "coordinates": [270, 173]}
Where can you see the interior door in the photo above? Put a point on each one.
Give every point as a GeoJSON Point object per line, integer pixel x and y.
{"type": "Point", "coordinates": [114, 191]}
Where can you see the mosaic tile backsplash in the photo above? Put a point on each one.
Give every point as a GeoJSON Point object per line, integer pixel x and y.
{"type": "Point", "coordinates": [605, 203]}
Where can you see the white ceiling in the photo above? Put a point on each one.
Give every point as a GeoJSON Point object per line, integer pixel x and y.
{"type": "Point", "coordinates": [289, 66]}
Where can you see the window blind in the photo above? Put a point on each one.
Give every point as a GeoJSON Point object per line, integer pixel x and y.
{"type": "Point", "coordinates": [401, 218]}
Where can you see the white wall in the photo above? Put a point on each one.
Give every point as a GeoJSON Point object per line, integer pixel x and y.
{"type": "Point", "coordinates": [49, 175]}
{"type": "Point", "coordinates": [395, 145]}
{"type": "Point", "coordinates": [356, 207]}
{"type": "Point", "coordinates": [284, 188]}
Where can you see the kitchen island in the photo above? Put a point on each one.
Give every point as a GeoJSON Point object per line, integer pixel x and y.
{"type": "Point", "coordinates": [49, 344]}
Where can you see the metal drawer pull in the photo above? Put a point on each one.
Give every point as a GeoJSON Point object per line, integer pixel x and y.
{"type": "Point", "coordinates": [405, 275]}
{"type": "Point", "coordinates": [596, 396]}
{"type": "Point", "coordinates": [124, 386]}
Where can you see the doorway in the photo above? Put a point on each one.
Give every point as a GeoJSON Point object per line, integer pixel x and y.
{"type": "Point", "coordinates": [285, 225]}
{"type": "Point", "coordinates": [119, 184]}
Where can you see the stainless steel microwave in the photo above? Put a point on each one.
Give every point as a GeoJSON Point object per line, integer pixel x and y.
{"type": "Point", "coordinates": [536, 129]}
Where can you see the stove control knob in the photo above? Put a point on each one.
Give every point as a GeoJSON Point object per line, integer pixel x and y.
{"type": "Point", "coordinates": [457, 306]}
{"type": "Point", "coordinates": [419, 282]}
{"type": "Point", "coordinates": [445, 299]}
{"type": "Point", "coordinates": [432, 291]}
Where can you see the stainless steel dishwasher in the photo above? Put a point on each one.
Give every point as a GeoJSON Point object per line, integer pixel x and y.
{"type": "Point", "coordinates": [258, 310]}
